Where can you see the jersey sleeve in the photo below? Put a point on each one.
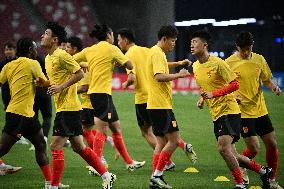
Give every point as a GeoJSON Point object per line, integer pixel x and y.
{"type": "Point", "coordinates": [69, 63]}
{"type": "Point", "coordinates": [37, 71]}
{"type": "Point", "coordinates": [80, 56]}
{"type": "Point", "coordinates": [226, 73]}
{"type": "Point", "coordinates": [118, 56]}
{"type": "Point", "coordinates": [265, 73]}
{"type": "Point", "coordinates": [158, 64]}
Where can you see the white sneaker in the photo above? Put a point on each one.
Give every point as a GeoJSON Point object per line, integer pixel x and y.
{"type": "Point", "coordinates": [245, 176]}
{"type": "Point", "coordinates": [63, 185]}
{"type": "Point", "coordinates": [93, 171]}
{"type": "Point", "coordinates": [274, 185]}
{"type": "Point", "coordinates": [9, 169]}
{"type": "Point", "coordinates": [108, 183]}
{"type": "Point", "coordinates": [22, 140]}
{"type": "Point", "coordinates": [190, 153]}
{"type": "Point", "coordinates": [158, 182]}
{"type": "Point", "coordinates": [46, 185]}
{"type": "Point", "coordinates": [135, 165]}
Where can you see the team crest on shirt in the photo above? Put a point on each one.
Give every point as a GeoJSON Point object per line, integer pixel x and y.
{"type": "Point", "coordinates": [174, 123]}
{"type": "Point", "coordinates": [109, 115]}
{"type": "Point", "coordinates": [245, 129]}
{"type": "Point", "coordinates": [210, 73]}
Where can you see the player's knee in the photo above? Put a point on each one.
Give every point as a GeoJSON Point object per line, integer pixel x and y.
{"type": "Point", "coordinates": [77, 148]}
{"type": "Point", "coordinates": [223, 150]}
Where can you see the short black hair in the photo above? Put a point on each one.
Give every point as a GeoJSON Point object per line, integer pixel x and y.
{"type": "Point", "coordinates": [57, 31]}
{"type": "Point", "coordinates": [203, 35]}
{"type": "Point", "coordinates": [75, 42]}
{"type": "Point", "coordinates": [23, 46]}
{"type": "Point", "coordinates": [9, 44]}
{"type": "Point", "coordinates": [127, 33]}
{"type": "Point", "coordinates": [244, 39]}
{"type": "Point", "coordinates": [100, 32]}
{"type": "Point", "coordinates": [168, 31]}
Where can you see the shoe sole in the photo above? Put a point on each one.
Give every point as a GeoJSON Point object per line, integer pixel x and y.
{"type": "Point", "coordinates": [14, 170]}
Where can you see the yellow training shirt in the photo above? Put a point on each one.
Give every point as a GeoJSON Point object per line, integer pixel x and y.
{"type": "Point", "coordinates": [250, 73]}
{"type": "Point", "coordinates": [138, 56]}
{"type": "Point", "coordinates": [86, 102]}
{"type": "Point", "coordinates": [101, 59]}
{"type": "Point", "coordinates": [159, 93]}
{"type": "Point", "coordinates": [215, 74]}
{"type": "Point", "coordinates": [20, 74]}
{"type": "Point", "coordinates": [60, 66]}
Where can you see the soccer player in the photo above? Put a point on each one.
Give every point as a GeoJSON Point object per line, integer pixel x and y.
{"type": "Point", "coordinates": [252, 69]}
{"type": "Point", "coordinates": [159, 103]}
{"type": "Point", "coordinates": [10, 54]}
{"type": "Point", "coordinates": [73, 46]}
{"type": "Point", "coordinates": [20, 120]}
{"type": "Point", "coordinates": [7, 169]}
{"type": "Point", "coordinates": [138, 56]}
{"type": "Point", "coordinates": [217, 82]}
{"type": "Point", "coordinates": [101, 58]}
{"type": "Point", "coordinates": [63, 73]}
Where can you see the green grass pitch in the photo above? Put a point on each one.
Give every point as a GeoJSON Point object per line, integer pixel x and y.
{"type": "Point", "coordinates": [195, 127]}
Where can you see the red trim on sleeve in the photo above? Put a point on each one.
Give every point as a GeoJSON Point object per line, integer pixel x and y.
{"type": "Point", "coordinates": [233, 86]}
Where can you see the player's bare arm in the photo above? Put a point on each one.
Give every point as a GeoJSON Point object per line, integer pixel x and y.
{"type": "Point", "coordinates": [130, 81]}
{"type": "Point", "coordinates": [271, 85]}
{"type": "Point", "coordinates": [184, 62]}
{"type": "Point", "coordinates": [162, 77]}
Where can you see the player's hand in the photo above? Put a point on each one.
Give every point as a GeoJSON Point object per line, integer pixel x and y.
{"type": "Point", "coordinates": [84, 67]}
{"type": "Point", "coordinates": [200, 103]}
{"type": "Point", "coordinates": [53, 89]}
{"type": "Point", "coordinates": [238, 98]}
{"type": "Point", "coordinates": [184, 62]}
{"type": "Point", "coordinates": [207, 95]}
{"type": "Point", "coordinates": [183, 73]}
{"type": "Point", "coordinates": [276, 90]}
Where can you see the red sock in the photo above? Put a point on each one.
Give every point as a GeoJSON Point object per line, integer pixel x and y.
{"type": "Point", "coordinates": [120, 146]}
{"type": "Point", "coordinates": [57, 166]}
{"type": "Point", "coordinates": [94, 132]}
{"type": "Point", "coordinates": [46, 172]}
{"type": "Point", "coordinates": [99, 142]}
{"type": "Point", "coordinates": [248, 153]}
{"type": "Point", "coordinates": [237, 174]}
{"type": "Point", "coordinates": [155, 161]}
{"type": "Point", "coordinates": [89, 137]}
{"type": "Point", "coordinates": [181, 144]}
{"type": "Point", "coordinates": [254, 166]}
{"type": "Point", "coordinates": [272, 160]}
{"type": "Point", "coordinates": [163, 160]}
{"type": "Point", "coordinates": [93, 160]}
{"type": "Point", "coordinates": [1, 161]}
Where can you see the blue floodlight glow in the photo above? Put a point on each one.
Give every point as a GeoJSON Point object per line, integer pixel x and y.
{"type": "Point", "coordinates": [278, 40]}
